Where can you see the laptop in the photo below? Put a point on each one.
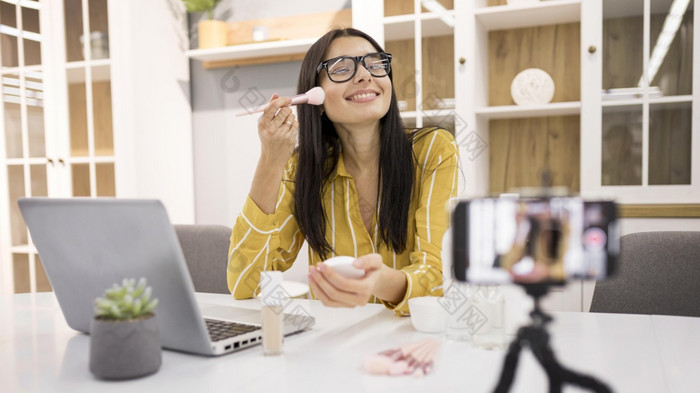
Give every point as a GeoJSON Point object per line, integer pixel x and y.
{"type": "Point", "coordinates": [87, 245]}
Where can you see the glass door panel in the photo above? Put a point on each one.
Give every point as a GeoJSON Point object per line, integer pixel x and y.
{"type": "Point", "coordinates": [15, 177]}
{"type": "Point", "coordinates": [73, 15]}
{"type": "Point", "coordinates": [403, 69]}
{"type": "Point", "coordinates": [102, 113]}
{"type": "Point", "coordinates": [31, 36]}
{"type": "Point", "coordinates": [437, 5]}
{"type": "Point", "coordinates": [81, 180]}
{"type": "Point", "coordinates": [398, 7]}
{"type": "Point", "coordinates": [20, 268]}
{"type": "Point", "coordinates": [42, 282]}
{"type": "Point", "coordinates": [670, 129]}
{"type": "Point", "coordinates": [623, 49]}
{"type": "Point", "coordinates": [39, 182]}
{"type": "Point", "coordinates": [8, 37]}
{"type": "Point", "coordinates": [622, 146]}
{"type": "Point", "coordinates": [11, 96]}
{"type": "Point", "coordinates": [99, 28]}
{"type": "Point", "coordinates": [104, 176]}
{"type": "Point", "coordinates": [671, 51]}
{"type": "Point", "coordinates": [77, 113]}
{"type": "Point", "coordinates": [34, 92]}
{"type": "Point", "coordinates": [438, 81]}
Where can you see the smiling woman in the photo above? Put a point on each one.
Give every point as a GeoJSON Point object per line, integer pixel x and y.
{"type": "Point", "coordinates": [358, 184]}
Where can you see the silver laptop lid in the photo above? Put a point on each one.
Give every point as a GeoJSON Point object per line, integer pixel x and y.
{"type": "Point", "coordinates": [86, 245]}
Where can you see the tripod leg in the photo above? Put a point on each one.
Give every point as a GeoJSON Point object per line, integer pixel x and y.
{"type": "Point", "coordinates": [553, 369]}
{"type": "Point", "coordinates": [510, 364]}
{"type": "Point", "coordinates": [584, 381]}
{"type": "Point", "coordinates": [559, 375]}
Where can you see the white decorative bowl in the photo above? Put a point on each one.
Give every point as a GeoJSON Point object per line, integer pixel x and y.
{"type": "Point", "coordinates": [532, 86]}
{"type": "Point", "coordinates": [427, 314]}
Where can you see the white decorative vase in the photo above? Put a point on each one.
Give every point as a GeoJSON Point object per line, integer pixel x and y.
{"type": "Point", "coordinates": [532, 86]}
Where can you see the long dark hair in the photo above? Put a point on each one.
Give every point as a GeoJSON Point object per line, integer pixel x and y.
{"type": "Point", "coordinates": [319, 150]}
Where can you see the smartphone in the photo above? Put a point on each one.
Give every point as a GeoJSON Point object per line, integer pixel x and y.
{"type": "Point", "coordinates": [534, 240]}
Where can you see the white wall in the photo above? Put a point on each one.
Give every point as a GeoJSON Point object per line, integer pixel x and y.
{"type": "Point", "coordinates": [151, 105]}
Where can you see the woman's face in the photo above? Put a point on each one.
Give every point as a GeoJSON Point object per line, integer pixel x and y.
{"type": "Point", "coordinates": [362, 99]}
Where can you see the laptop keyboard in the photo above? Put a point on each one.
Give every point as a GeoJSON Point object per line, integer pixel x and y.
{"type": "Point", "coordinates": [221, 330]}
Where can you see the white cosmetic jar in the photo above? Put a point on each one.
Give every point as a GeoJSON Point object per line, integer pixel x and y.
{"type": "Point", "coordinates": [427, 314]}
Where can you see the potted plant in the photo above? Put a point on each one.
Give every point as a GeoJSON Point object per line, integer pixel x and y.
{"type": "Point", "coordinates": [124, 336]}
{"type": "Point", "coordinates": [212, 33]}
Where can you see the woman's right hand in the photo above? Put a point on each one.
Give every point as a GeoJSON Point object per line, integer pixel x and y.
{"type": "Point", "coordinates": [278, 129]}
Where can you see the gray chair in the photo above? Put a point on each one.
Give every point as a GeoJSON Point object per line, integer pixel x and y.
{"type": "Point", "coordinates": [206, 252]}
{"type": "Point", "coordinates": [659, 273]}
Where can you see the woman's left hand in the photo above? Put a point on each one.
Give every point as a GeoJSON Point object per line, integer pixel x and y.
{"type": "Point", "coordinates": [335, 290]}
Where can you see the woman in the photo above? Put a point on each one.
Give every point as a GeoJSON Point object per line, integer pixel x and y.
{"type": "Point", "coordinates": [358, 184]}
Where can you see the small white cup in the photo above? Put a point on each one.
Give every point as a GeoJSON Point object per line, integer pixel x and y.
{"type": "Point", "coordinates": [427, 315]}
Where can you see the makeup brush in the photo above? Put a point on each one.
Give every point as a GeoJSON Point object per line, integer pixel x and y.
{"type": "Point", "coordinates": [314, 96]}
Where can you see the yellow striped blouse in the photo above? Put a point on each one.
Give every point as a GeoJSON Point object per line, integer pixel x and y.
{"type": "Point", "coordinates": [262, 241]}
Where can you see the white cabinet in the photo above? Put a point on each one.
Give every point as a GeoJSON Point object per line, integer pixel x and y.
{"type": "Point", "coordinates": [460, 77]}
{"type": "Point", "coordinates": [108, 118]}
{"type": "Point", "coordinates": [642, 139]}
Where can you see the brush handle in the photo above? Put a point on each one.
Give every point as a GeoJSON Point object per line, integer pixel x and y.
{"type": "Point", "coordinates": [296, 100]}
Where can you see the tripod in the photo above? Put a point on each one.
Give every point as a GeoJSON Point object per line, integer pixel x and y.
{"type": "Point", "coordinates": [536, 337]}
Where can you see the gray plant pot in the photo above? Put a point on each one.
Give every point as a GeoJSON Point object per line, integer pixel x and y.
{"type": "Point", "coordinates": [124, 349]}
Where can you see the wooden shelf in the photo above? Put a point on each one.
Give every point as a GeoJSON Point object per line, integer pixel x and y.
{"type": "Point", "coordinates": [401, 27]}
{"type": "Point", "coordinates": [544, 13]}
{"type": "Point", "coordinates": [518, 111]}
{"type": "Point", "coordinates": [256, 53]}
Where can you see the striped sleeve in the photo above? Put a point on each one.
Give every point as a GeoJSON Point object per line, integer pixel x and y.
{"type": "Point", "coordinates": [262, 241]}
{"type": "Point", "coordinates": [438, 184]}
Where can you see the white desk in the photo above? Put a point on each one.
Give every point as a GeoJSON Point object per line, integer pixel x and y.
{"type": "Point", "coordinates": [633, 353]}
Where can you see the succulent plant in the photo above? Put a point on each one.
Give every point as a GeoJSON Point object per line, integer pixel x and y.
{"type": "Point", "coordinates": [201, 6]}
{"type": "Point", "coordinates": [126, 301]}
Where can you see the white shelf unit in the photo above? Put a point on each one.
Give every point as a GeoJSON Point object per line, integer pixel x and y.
{"type": "Point", "coordinates": [474, 20]}
{"type": "Point", "coordinates": [246, 51]}
{"type": "Point", "coordinates": [516, 111]}
{"type": "Point", "coordinates": [676, 105]}
{"type": "Point", "coordinates": [407, 27]}
{"type": "Point", "coordinates": [528, 15]}
{"type": "Point", "coordinates": [401, 27]}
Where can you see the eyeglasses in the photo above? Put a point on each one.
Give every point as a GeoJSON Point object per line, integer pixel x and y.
{"type": "Point", "coordinates": [343, 68]}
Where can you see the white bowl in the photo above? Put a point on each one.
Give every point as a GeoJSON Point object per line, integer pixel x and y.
{"type": "Point", "coordinates": [427, 314]}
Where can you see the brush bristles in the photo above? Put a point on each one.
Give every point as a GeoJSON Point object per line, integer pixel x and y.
{"type": "Point", "coordinates": [316, 96]}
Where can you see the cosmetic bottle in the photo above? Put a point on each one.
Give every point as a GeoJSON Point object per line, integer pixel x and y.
{"type": "Point", "coordinates": [273, 299]}
{"type": "Point", "coordinates": [490, 303]}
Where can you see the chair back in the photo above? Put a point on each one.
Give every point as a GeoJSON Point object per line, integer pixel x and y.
{"type": "Point", "coordinates": [659, 273]}
{"type": "Point", "coordinates": [206, 252]}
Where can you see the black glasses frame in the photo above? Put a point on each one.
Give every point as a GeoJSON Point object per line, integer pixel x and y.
{"type": "Point", "coordinates": [357, 60]}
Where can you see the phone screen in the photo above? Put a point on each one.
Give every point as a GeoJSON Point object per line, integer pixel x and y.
{"type": "Point", "coordinates": [544, 240]}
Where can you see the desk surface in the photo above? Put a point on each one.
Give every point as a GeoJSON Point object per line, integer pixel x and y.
{"type": "Point", "coordinates": [633, 353]}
